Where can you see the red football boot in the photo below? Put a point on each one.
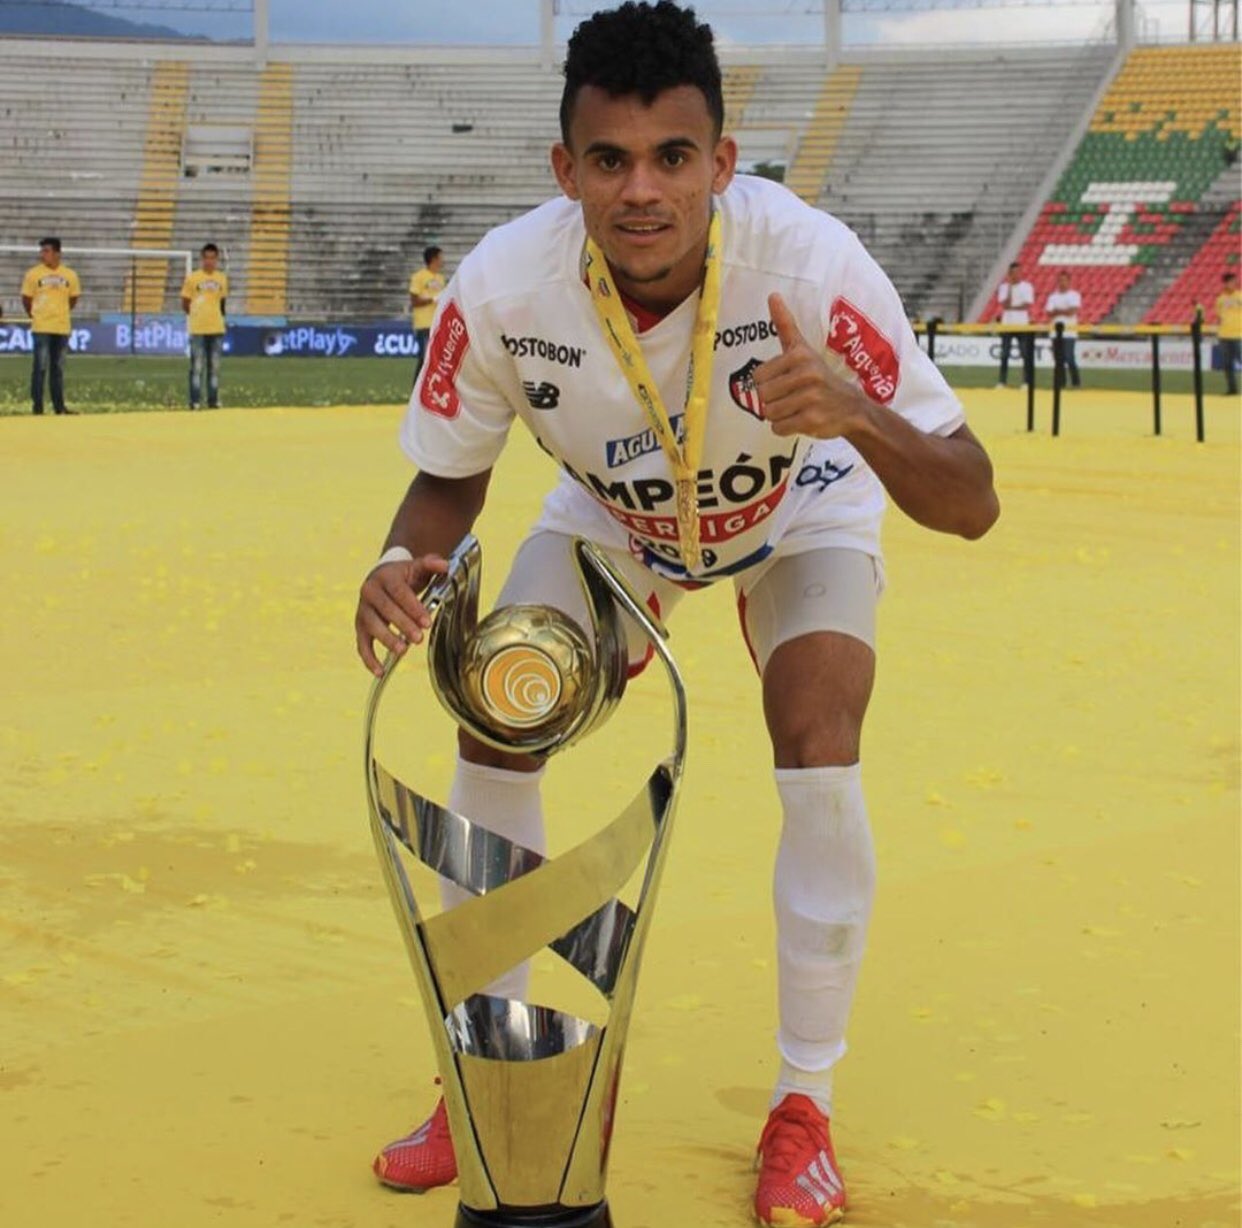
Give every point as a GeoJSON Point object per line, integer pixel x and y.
{"type": "Point", "coordinates": [422, 1160]}
{"type": "Point", "coordinates": [800, 1185]}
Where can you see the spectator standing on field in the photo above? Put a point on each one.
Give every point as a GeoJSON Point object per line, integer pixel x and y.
{"type": "Point", "coordinates": [1229, 313]}
{"type": "Point", "coordinates": [203, 295]}
{"type": "Point", "coordinates": [1063, 306]}
{"type": "Point", "coordinates": [1016, 296]}
{"type": "Point", "coordinates": [426, 286]}
{"type": "Point", "coordinates": [50, 291]}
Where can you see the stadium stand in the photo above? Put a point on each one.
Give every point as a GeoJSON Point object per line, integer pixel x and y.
{"type": "Point", "coordinates": [1148, 184]}
{"type": "Point", "coordinates": [267, 270]}
{"type": "Point", "coordinates": [941, 153]}
{"type": "Point", "coordinates": [71, 160]}
{"type": "Point", "coordinates": [323, 178]}
{"type": "Point", "coordinates": [157, 189]}
{"type": "Point", "coordinates": [1200, 281]}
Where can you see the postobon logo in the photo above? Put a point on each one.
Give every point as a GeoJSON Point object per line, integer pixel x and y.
{"type": "Point", "coordinates": [521, 685]}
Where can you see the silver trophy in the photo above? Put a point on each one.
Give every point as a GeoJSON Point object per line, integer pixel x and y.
{"type": "Point", "coordinates": [531, 1091]}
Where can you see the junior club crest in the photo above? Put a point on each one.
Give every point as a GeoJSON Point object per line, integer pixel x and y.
{"type": "Point", "coordinates": [743, 391]}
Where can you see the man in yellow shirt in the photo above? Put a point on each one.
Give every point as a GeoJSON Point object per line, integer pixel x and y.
{"type": "Point", "coordinates": [425, 288]}
{"type": "Point", "coordinates": [1229, 313]}
{"type": "Point", "coordinates": [49, 292]}
{"type": "Point", "coordinates": [202, 299]}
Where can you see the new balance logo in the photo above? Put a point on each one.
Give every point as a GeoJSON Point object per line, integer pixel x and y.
{"type": "Point", "coordinates": [541, 396]}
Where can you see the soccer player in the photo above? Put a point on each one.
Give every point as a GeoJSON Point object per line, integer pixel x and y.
{"type": "Point", "coordinates": [50, 291]}
{"type": "Point", "coordinates": [426, 286]}
{"type": "Point", "coordinates": [1063, 306]}
{"type": "Point", "coordinates": [1016, 295]}
{"type": "Point", "coordinates": [1229, 314]}
{"type": "Point", "coordinates": [203, 298]}
{"type": "Point", "coordinates": [729, 384]}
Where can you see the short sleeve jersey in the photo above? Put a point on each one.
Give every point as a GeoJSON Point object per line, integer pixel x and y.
{"type": "Point", "coordinates": [1016, 301]}
{"type": "Point", "coordinates": [1229, 313]}
{"type": "Point", "coordinates": [516, 336]}
{"type": "Point", "coordinates": [1064, 306]}
{"type": "Point", "coordinates": [50, 291]}
{"type": "Point", "coordinates": [426, 284]}
{"type": "Point", "coordinates": [206, 292]}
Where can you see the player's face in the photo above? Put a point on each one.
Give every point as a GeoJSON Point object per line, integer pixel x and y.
{"type": "Point", "coordinates": [209, 262]}
{"type": "Point", "coordinates": [50, 256]}
{"type": "Point", "coordinates": [645, 176]}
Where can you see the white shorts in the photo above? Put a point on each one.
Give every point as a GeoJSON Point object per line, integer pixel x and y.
{"type": "Point", "coordinates": [832, 588]}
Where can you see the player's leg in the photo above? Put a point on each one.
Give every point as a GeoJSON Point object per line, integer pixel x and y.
{"type": "Point", "coordinates": [212, 350]}
{"type": "Point", "coordinates": [502, 792]}
{"type": "Point", "coordinates": [58, 345]}
{"type": "Point", "coordinates": [1071, 361]}
{"type": "Point", "coordinates": [196, 371]}
{"type": "Point", "coordinates": [810, 621]}
{"type": "Point", "coordinates": [37, 369]}
{"type": "Point", "coordinates": [1006, 341]}
{"type": "Point", "coordinates": [422, 336]}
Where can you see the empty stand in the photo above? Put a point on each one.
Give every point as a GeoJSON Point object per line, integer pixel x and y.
{"type": "Point", "coordinates": [1149, 183]}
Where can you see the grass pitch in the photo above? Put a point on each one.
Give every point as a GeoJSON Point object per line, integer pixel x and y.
{"type": "Point", "coordinates": [207, 1013]}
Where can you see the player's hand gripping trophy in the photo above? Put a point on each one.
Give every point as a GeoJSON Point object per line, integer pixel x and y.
{"type": "Point", "coordinates": [531, 1092]}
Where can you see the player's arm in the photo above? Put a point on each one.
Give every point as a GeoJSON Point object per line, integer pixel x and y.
{"type": "Point", "coordinates": [434, 516]}
{"type": "Point", "coordinates": [943, 482]}
{"type": "Point", "coordinates": [27, 304]}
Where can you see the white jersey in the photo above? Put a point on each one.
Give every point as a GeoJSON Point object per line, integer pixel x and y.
{"type": "Point", "coordinates": [1016, 301]}
{"type": "Point", "coordinates": [516, 335]}
{"type": "Point", "coordinates": [1064, 306]}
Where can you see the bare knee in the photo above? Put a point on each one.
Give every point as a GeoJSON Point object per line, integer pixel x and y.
{"type": "Point", "coordinates": [824, 739]}
{"type": "Point", "coordinates": [815, 694]}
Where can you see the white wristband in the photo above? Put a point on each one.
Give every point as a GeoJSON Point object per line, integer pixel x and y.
{"type": "Point", "coordinates": [394, 554]}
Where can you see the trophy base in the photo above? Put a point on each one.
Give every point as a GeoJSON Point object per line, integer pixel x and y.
{"type": "Point", "coordinates": [597, 1216]}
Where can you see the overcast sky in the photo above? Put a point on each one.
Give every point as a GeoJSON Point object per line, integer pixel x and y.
{"type": "Point", "coordinates": [735, 21]}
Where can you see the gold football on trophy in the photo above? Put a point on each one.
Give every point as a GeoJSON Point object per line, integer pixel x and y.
{"type": "Point", "coordinates": [527, 678]}
{"type": "Point", "coordinates": [526, 670]}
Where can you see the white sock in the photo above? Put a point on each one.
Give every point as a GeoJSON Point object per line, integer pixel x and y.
{"type": "Point", "coordinates": [822, 888]}
{"type": "Point", "coordinates": [509, 804]}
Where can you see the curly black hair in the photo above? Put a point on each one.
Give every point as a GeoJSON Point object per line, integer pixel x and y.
{"type": "Point", "coordinates": [642, 49]}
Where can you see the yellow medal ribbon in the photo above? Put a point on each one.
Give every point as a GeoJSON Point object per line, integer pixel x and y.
{"type": "Point", "coordinates": [686, 457]}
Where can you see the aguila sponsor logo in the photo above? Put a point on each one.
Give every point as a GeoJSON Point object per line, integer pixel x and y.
{"type": "Point", "coordinates": [438, 388]}
{"type": "Point", "coordinates": [542, 395]}
{"type": "Point", "coordinates": [867, 351]}
{"type": "Point", "coordinates": [743, 391]}
{"type": "Point", "coordinates": [619, 452]}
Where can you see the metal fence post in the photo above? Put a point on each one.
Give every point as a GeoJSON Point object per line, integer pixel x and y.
{"type": "Point", "coordinates": [1196, 336]}
{"type": "Point", "coordinates": [1058, 374]}
{"type": "Point", "coordinates": [1155, 382]}
{"type": "Point", "coordinates": [1028, 369]}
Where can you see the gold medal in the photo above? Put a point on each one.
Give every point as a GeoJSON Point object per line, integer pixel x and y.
{"type": "Point", "coordinates": [685, 458]}
{"type": "Point", "coordinates": [688, 522]}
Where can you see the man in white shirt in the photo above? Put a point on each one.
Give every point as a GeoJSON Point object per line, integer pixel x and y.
{"type": "Point", "coordinates": [1016, 296]}
{"type": "Point", "coordinates": [729, 385]}
{"type": "Point", "coordinates": [1062, 307]}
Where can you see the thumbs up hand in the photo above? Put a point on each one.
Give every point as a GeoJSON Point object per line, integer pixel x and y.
{"type": "Point", "coordinates": [801, 394]}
